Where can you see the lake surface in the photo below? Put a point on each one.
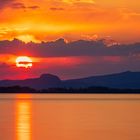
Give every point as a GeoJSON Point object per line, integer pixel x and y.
{"type": "Point", "coordinates": [69, 117]}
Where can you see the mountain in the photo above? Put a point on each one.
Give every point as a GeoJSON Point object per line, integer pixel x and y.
{"type": "Point", "coordinates": [44, 81]}
{"type": "Point", "coordinates": [128, 80]}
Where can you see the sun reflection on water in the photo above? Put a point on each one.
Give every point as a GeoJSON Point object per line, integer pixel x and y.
{"type": "Point", "coordinates": [23, 118]}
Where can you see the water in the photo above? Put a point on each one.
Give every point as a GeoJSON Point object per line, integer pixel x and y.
{"type": "Point", "coordinates": [69, 117]}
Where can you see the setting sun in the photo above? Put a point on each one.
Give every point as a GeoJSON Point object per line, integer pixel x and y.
{"type": "Point", "coordinates": [24, 62]}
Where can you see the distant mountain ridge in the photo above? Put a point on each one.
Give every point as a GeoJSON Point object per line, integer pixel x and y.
{"type": "Point", "coordinates": [128, 80]}
{"type": "Point", "coordinates": [44, 81]}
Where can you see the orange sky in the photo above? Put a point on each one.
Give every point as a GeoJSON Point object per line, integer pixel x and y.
{"type": "Point", "coordinates": [36, 20]}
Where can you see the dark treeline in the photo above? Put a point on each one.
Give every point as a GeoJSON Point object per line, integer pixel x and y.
{"type": "Point", "coordinates": [18, 89]}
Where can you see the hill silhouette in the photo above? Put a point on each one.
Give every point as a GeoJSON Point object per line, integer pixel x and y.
{"type": "Point", "coordinates": [44, 81]}
{"type": "Point", "coordinates": [124, 80]}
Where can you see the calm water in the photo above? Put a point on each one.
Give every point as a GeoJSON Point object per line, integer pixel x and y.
{"type": "Point", "coordinates": [69, 117]}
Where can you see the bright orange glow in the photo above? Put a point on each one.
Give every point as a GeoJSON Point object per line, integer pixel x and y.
{"type": "Point", "coordinates": [24, 62]}
{"type": "Point", "coordinates": [43, 22]}
{"type": "Point", "coordinates": [27, 38]}
{"type": "Point", "coordinates": [23, 120]}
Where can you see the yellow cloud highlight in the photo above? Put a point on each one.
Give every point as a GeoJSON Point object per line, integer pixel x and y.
{"type": "Point", "coordinates": [27, 38]}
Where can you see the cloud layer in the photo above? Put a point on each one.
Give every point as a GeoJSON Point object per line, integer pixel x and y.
{"type": "Point", "coordinates": [60, 48]}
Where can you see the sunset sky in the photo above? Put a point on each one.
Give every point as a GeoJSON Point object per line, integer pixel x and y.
{"type": "Point", "coordinates": [48, 20]}
{"type": "Point", "coordinates": [39, 20]}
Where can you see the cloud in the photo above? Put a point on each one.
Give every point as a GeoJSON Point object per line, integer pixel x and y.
{"type": "Point", "coordinates": [5, 3]}
{"type": "Point", "coordinates": [27, 38]}
{"type": "Point", "coordinates": [90, 37]}
{"type": "Point", "coordinates": [34, 7]}
{"type": "Point", "coordinates": [19, 5]}
{"type": "Point", "coordinates": [57, 9]}
{"type": "Point", "coordinates": [60, 48]}
{"type": "Point", "coordinates": [16, 5]}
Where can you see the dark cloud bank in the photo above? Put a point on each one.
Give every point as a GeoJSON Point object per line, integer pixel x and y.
{"type": "Point", "coordinates": [60, 48]}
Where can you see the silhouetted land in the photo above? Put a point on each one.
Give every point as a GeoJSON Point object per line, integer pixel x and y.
{"type": "Point", "coordinates": [91, 90]}
{"type": "Point", "coordinates": [125, 82]}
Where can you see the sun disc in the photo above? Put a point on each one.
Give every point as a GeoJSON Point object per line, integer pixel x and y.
{"type": "Point", "coordinates": [24, 62]}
